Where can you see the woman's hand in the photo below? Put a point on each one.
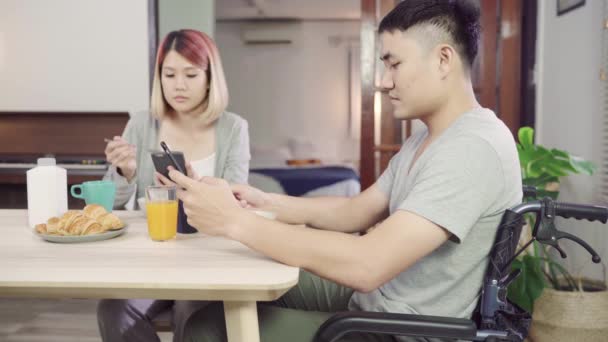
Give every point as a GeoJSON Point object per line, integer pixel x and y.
{"type": "Point", "coordinates": [122, 155]}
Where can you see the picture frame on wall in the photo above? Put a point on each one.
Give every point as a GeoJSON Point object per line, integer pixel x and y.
{"type": "Point", "coordinates": [565, 6]}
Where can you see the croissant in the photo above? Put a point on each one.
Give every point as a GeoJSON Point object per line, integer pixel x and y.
{"type": "Point", "coordinates": [41, 228]}
{"type": "Point", "coordinates": [91, 226]}
{"type": "Point", "coordinates": [65, 221]}
{"type": "Point", "coordinates": [94, 211]}
{"type": "Point", "coordinates": [69, 214]}
{"type": "Point", "coordinates": [52, 225]}
{"type": "Point", "coordinates": [92, 219]}
{"type": "Point", "coordinates": [81, 224]}
{"type": "Point", "coordinates": [110, 221]}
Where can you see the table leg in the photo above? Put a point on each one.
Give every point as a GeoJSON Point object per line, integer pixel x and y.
{"type": "Point", "coordinates": [241, 321]}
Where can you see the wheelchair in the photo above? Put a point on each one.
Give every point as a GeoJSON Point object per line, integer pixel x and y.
{"type": "Point", "coordinates": [495, 318]}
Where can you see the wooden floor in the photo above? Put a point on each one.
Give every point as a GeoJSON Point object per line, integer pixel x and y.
{"type": "Point", "coordinates": [51, 320]}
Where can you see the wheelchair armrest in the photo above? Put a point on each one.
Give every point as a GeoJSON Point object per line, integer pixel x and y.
{"type": "Point", "coordinates": [395, 324]}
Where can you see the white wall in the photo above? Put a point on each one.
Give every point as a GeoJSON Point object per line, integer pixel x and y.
{"type": "Point", "coordinates": [569, 109]}
{"type": "Point", "coordinates": [179, 14]}
{"type": "Point", "coordinates": [295, 90]}
{"type": "Point", "coordinates": [67, 55]}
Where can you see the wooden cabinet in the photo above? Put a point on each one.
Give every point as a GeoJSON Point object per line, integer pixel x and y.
{"type": "Point", "coordinates": [13, 190]}
{"type": "Point", "coordinates": [68, 136]}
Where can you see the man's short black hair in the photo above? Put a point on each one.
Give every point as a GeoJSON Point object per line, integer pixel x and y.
{"type": "Point", "coordinates": [458, 18]}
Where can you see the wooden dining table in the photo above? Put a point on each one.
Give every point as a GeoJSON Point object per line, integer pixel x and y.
{"type": "Point", "coordinates": [189, 267]}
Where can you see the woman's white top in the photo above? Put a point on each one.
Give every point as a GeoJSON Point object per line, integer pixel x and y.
{"type": "Point", "coordinates": [205, 166]}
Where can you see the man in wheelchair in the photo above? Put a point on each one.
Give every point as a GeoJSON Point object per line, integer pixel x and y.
{"type": "Point", "coordinates": [435, 210]}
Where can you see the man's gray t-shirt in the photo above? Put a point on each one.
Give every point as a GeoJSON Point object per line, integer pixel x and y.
{"type": "Point", "coordinates": [463, 182]}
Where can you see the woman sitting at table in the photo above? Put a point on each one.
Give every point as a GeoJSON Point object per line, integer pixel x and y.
{"type": "Point", "coordinates": [188, 112]}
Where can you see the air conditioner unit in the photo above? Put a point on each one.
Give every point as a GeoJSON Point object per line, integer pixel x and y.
{"type": "Point", "coordinates": [270, 33]}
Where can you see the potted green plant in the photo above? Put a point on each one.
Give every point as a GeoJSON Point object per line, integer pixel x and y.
{"type": "Point", "coordinates": [542, 278]}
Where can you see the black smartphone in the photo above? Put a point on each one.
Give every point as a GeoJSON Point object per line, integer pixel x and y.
{"type": "Point", "coordinates": [162, 160]}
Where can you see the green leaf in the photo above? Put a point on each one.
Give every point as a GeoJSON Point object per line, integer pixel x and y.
{"type": "Point", "coordinates": [541, 181]}
{"type": "Point", "coordinates": [517, 289]}
{"type": "Point", "coordinates": [535, 282]}
{"type": "Point", "coordinates": [564, 165]}
{"type": "Point", "coordinates": [555, 170]}
{"type": "Point", "coordinates": [581, 165]}
{"type": "Point", "coordinates": [543, 151]}
{"type": "Point", "coordinates": [541, 193]}
{"type": "Point", "coordinates": [526, 137]}
{"type": "Point", "coordinates": [536, 166]}
{"type": "Point", "coordinates": [532, 171]}
{"type": "Point", "coordinates": [525, 156]}
{"type": "Point", "coordinates": [560, 153]}
{"type": "Point", "coordinates": [537, 158]}
{"type": "Point", "coordinates": [537, 248]}
{"type": "Point", "coordinates": [530, 284]}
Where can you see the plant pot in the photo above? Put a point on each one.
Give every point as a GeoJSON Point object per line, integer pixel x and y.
{"type": "Point", "coordinates": [571, 316]}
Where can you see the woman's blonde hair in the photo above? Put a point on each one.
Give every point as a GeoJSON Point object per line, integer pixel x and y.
{"type": "Point", "coordinates": [200, 50]}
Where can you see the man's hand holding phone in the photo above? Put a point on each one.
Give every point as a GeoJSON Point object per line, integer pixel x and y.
{"type": "Point", "coordinates": [161, 179]}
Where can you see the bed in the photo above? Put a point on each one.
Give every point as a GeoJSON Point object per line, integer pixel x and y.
{"type": "Point", "coordinates": [307, 181]}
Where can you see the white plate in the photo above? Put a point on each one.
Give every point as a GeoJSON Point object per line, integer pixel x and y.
{"type": "Point", "coordinates": [82, 238]}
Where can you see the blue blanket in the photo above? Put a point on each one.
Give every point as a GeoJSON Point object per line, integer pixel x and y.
{"type": "Point", "coordinates": [298, 181]}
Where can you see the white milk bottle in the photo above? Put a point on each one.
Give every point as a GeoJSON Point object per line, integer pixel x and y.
{"type": "Point", "coordinates": [47, 194]}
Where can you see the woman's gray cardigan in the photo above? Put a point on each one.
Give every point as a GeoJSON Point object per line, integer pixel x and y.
{"type": "Point", "coordinates": [231, 153]}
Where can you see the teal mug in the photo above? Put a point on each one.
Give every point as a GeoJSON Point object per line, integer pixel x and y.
{"type": "Point", "coordinates": [96, 192]}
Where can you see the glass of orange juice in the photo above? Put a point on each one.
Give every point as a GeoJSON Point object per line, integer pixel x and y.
{"type": "Point", "coordinates": [161, 211]}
